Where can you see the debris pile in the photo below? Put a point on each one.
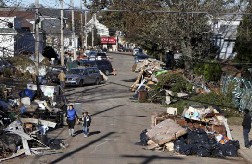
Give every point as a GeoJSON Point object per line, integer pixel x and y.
{"type": "Point", "coordinates": [25, 118]}
{"type": "Point", "coordinates": [201, 131]}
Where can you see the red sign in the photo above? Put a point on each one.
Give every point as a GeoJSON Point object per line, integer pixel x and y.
{"type": "Point", "coordinates": [108, 40]}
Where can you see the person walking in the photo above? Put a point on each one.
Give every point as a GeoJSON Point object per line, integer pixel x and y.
{"type": "Point", "coordinates": [71, 119]}
{"type": "Point", "coordinates": [86, 118]}
{"type": "Point", "coordinates": [62, 78]}
{"type": "Point", "coordinates": [246, 123]}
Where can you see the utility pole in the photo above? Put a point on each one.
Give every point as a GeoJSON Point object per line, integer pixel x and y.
{"type": "Point", "coordinates": [86, 34]}
{"type": "Point", "coordinates": [73, 30]}
{"type": "Point", "coordinates": [93, 26]}
{"type": "Point", "coordinates": [36, 22]}
{"type": "Point", "coordinates": [82, 28]}
{"type": "Point", "coordinates": [62, 34]}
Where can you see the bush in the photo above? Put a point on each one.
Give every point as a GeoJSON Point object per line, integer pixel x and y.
{"type": "Point", "coordinates": [7, 72]}
{"type": "Point", "coordinates": [211, 71]}
{"type": "Point", "coordinates": [174, 82]}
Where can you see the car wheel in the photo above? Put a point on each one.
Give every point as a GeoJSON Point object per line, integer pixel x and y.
{"type": "Point", "coordinates": [97, 81]}
{"type": "Point", "coordinates": [107, 72]}
{"type": "Point", "coordinates": [81, 83]}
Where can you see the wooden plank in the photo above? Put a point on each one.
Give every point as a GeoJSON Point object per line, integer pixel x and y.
{"type": "Point", "coordinates": [227, 129]}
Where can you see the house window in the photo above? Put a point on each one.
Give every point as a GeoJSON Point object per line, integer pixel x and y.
{"type": "Point", "coordinates": [70, 42]}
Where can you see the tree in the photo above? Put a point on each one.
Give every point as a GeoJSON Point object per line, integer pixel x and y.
{"type": "Point", "coordinates": [244, 39]}
{"type": "Point", "coordinates": [169, 24]}
{"type": "Point", "coordinates": [2, 3]}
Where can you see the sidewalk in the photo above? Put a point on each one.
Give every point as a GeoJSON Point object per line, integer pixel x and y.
{"type": "Point", "coordinates": [237, 134]}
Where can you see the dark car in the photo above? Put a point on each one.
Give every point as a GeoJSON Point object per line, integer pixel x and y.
{"type": "Point", "coordinates": [101, 56]}
{"type": "Point", "coordinates": [139, 57]}
{"type": "Point", "coordinates": [104, 65]}
{"type": "Point", "coordinates": [52, 74]}
{"type": "Point", "coordinates": [81, 76]}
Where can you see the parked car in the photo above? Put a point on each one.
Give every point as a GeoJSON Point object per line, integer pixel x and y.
{"type": "Point", "coordinates": [104, 65]}
{"type": "Point", "coordinates": [136, 51]}
{"type": "Point", "coordinates": [92, 54]}
{"type": "Point", "coordinates": [52, 74]}
{"type": "Point", "coordinates": [101, 56]}
{"type": "Point", "coordinates": [82, 76]}
{"type": "Point", "coordinates": [139, 57]}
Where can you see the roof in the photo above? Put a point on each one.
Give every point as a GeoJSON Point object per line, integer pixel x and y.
{"type": "Point", "coordinates": [21, 14]}
{"type": "Point", "coordinates": [8, 30]}
{"type": "Point", "coordinates": [52, 27]}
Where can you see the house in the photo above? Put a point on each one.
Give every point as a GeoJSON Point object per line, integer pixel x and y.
{"type": "Point", "coordinates": [51, 26]}
{"type": "Point", "coordinates": [225, 34]}
{"type": "Point", "coordinates": [7, 35]}
{"type": "Point", "coordinates": [17, 32]}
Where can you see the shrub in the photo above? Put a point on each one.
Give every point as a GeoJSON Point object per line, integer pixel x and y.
{"type": "Point", "coordinates": [211, 71]}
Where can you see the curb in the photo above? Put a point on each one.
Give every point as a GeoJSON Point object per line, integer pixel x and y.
{"type": "Point", "coordinates": [244, 156]}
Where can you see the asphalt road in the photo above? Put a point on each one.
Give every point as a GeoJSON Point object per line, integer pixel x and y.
{"type": "Point", "coordinates": [116, 124]}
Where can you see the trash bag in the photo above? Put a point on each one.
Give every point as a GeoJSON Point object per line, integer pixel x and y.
{"type": "Point", "coordinates": [217, 152]}
{"type": "Point", "coordinates": [27, 93]}
{"type": "Point", "coordinates": [178, 145]}
{"type": "Point", "coordinates": [236, 143]}
{"type": "Point", "coordinates": [144, 138]}
{"type": "Point", "coordinates": [186, 149]}
{"type": "Point", "coordinates": [197, 136]}
{"type": "Point", "coordinates": [229, 150]}
{"type": "Point", "coordinates": [203, 151]}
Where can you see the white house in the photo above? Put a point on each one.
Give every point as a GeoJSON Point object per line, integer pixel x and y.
{"type": "Point", "coordinates": [7, 35]}
{"type": "Point", "coordinates": [225, 33]}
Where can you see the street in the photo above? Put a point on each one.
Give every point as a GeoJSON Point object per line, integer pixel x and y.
{"type": "Point", "coordinates": [116, 124]}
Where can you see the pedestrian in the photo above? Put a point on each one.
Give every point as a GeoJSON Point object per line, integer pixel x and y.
{"type": "Point", "coordinates": [246, 123]}
{"type": "Point", "coordinates": [71, 119]}
{"type": "Point", "coordinates": [86, 118]}
{"type": "Point", "coordinates": [62, 78]}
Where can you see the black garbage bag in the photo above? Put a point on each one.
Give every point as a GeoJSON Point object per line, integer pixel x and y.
{"type": "Point", "coordinates": [144, 138]}
{"type": "Point", "coordinates": [186, 149]}
{"type": "Point", "coordinates": [178, 145]}
{"type": "Point", "coordinates": [217, 152]}
{"type": "Point", "coordinates": [194, 149]}
{"type": "Point", "coordinates": [203, 152]}
{"type": "Point", "coordinates": [229, 150]}
{"type": "Point", "coordinates": [236, 143]}
{"type": "Point", "coordinates": [197, 136]}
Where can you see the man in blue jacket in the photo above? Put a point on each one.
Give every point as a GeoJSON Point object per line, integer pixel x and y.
{"type": "Point", "coordinates": [246, 123]}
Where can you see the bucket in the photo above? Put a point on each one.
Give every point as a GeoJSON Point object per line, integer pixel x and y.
{"type": "Point", "coordinates": [142, 96]}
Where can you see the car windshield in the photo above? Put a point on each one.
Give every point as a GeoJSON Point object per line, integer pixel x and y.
{"type": "Point", "coordinates": [101, 54]}
{"type": "Point", "coordinates": [75, 71]}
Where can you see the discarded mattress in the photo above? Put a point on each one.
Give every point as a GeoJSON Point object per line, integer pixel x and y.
{"type": "Point", "coordinates": [166, 131]}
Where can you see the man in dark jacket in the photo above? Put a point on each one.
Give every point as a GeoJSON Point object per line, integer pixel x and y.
{"type": "Point", "coordinates": [246, 123]}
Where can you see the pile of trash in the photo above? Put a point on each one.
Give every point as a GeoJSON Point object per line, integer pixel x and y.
{"type": "Point", "coordinates": [148, 70]}
{"type": "Point", "coordinates": [25, 118]}
{"type": "Point", "coordinates": [201, 131]}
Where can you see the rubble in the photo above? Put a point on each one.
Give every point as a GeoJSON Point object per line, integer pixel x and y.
{"type": "Point", "coordinates": [201, 131]}
{"type": "Point", "coordinates": [26, 118]}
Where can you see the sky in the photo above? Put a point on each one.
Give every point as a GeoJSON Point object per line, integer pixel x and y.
{"type": "Point", "coordinates": [46, 3]}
